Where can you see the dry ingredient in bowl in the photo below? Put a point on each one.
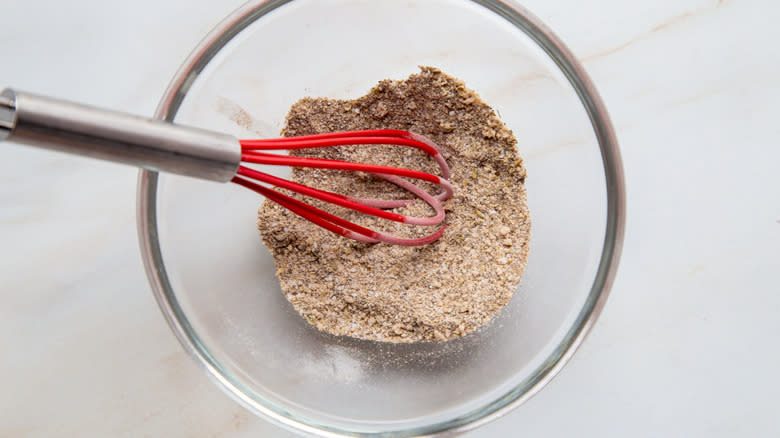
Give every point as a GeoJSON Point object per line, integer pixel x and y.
{"type": "Point", "coordinates": [391, 293]}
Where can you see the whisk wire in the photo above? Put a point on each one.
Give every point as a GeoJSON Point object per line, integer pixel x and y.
{"type": "Point", "coordinates": [374, 207]}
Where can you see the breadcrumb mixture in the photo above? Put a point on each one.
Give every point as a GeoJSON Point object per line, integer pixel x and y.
{"type": "Point", "coordinates": [389, 293]}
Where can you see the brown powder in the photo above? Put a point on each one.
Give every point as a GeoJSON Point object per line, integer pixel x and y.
{"type": "Point", "coordinates": [390, 293]}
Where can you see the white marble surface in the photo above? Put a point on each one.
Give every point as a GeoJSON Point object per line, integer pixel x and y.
{"type": "Point", "coordinates": [686, 345]}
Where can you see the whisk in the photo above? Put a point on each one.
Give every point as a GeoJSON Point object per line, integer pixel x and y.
{"type": "Point", "coordinates": [165, 147]}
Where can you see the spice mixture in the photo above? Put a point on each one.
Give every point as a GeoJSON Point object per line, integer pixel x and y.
{"type": "Point", "coordinates": [391, 293]}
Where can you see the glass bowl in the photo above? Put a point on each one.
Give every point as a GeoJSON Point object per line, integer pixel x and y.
{"type": "Point", "coordinates": [214, 280]}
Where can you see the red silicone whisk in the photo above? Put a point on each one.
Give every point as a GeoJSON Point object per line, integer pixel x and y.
{"type": "Point", "coordinates": [166, 147]}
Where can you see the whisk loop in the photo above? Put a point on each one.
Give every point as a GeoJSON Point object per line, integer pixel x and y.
{"type": "Point", "coordinates": [247, 177]}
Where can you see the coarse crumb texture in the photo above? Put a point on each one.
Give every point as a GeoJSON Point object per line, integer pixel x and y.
{"type": "Point", "coordinates": [391, 293]}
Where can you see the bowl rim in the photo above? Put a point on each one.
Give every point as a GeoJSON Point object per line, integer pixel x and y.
{"type": "Point", "coordinates": [154, 266]}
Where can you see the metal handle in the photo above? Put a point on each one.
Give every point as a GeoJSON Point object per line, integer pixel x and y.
{"type": "Point", "coordinates": [109, 135]}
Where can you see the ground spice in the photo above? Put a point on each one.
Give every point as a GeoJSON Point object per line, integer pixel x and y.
{"type": "Point", "coordinates": [389, 293]}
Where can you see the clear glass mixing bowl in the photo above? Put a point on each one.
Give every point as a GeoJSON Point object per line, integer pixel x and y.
{"type": "Point", "coordinates": [215, 282]}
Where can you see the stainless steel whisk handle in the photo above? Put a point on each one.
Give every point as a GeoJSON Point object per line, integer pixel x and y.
{"type": "Point", "coordinates": [114, 136]}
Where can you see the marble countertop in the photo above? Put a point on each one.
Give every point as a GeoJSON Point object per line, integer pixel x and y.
{"type": "Point", "coordinates": [685, 347]}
